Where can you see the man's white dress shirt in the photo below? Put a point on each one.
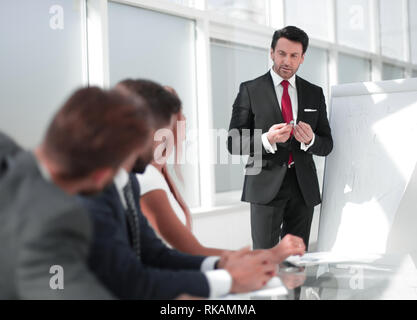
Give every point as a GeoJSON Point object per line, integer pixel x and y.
{"type": "Point", "coordinates": [292, 91]}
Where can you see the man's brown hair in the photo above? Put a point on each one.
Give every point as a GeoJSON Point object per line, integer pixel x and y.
{"type": "Point", "coordinates": [162, 103]}
{"type": "Point", "coordinates": [96, 128]}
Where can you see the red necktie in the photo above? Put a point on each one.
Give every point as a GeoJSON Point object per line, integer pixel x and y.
{"type": "Point", "coordinates": [286, 109]}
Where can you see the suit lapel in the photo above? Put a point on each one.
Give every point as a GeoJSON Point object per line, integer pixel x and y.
{"type": "Point", "coordinates": [113, 195]}
{"type": "Point", "coordinates": [271, 97]}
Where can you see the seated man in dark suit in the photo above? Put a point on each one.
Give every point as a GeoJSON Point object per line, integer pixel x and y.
{"type": "Point", "coordinates": [44, 233]}
{"type": "Point", "coordinates": [8, 149]}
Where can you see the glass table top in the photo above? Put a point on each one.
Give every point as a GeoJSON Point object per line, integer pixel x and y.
{"type": "Point", "coordinates": [383, 277]}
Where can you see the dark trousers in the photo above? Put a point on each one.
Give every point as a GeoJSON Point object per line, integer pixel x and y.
{"type": "Point", "coordinates": [287, 213]}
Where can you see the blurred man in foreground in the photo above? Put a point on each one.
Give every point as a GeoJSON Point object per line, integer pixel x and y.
{"type": "Point", "coordinates": [44, 233]}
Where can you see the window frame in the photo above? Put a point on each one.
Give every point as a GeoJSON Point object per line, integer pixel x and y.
{"type": "Point", "coordinates": [219, 27]}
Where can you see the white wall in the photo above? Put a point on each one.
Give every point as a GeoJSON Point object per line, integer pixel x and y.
{"type": "Point", "coordinates": [226, 228]}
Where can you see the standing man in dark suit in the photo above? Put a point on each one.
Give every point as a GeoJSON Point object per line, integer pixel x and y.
{"type": "Point", "coordinates": [44, 233]}
{"type": "Point", "coordinates": [286, 124]}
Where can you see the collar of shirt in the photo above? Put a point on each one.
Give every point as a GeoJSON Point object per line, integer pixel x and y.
{"type": "Point", "coordinates": [120, 180]}
{"type": "Point", "coordinates": [277, 79]}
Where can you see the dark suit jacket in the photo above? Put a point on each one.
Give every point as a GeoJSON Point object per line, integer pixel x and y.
{"type": "Point", "coordinates": [160, 273]}
{"type": "Point", "coordinates": [8, 149]}
{"type": "Point", "coordinates": [257, 107]}
{"type": "Point", "coordinates": [41, 226]}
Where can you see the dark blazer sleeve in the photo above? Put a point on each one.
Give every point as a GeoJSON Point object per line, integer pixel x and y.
{"type": "Point", "coordinates": [242, 135]}
{"type": "Point", "coordinates": [155, 253]}
{"type": "Point", "coordinates": [129, 277]}
{"type": "Point", "coordinates": [323, 143]}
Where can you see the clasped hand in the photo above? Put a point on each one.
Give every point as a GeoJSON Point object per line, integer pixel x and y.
{"type": "Point", "coordinates": [281, 132]}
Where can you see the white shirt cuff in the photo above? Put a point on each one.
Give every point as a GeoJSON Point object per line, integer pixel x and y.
{"type": "Point", "coordinates": [268, 147]}
{"type": "Point", "coordinates": [209, 264]}
{"type": "Point", "coordinates": [220, 282]}
{"type": "Point", "coordinates": [304, 147]}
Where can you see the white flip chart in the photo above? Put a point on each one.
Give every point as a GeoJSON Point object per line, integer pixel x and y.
{"type": "Point", "coordinates": [374, 127]}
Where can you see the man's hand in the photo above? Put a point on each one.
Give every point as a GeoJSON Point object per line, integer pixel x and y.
{"type": "Point", "coordinates": [303, 133]}
{"type": "Point", "coordinates": [279, 133]}
{"type": "Point", "coordinates": [249, 272]}
{"type": "Point", "coordinates": [223, 259]}
{"type": "Point", "coordinates": [289, 246]}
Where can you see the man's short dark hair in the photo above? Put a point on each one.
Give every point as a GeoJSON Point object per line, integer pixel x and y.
{"type": "Point", "coordinates": [95, 129]}
{"type": "Point", "coordinates": [162, 103]}
{"type": "Point", "coordinates": [291, 33]}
